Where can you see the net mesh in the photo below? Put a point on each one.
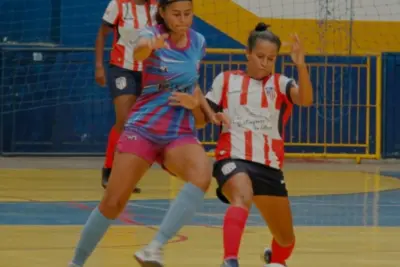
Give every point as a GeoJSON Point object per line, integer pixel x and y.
{"type": "Point", "coordinates": [334, 26]}
{"type": "Point", "coordinates": [47, 60]}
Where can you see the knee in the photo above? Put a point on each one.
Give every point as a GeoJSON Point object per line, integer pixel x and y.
{"type": "Point", "coordinates": [242, 198]}
{"type": "Point", "coordinates": [202, 182]}
{"type": "Point", "coordinates": [285, 239]}
{"type": "Point", "coordinates": [201, 176]}
{"type": "Point", "coordinates": [111, 206]}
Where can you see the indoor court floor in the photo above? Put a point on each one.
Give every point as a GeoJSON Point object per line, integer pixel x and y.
{"type": "Point", "coordinates": [345, 215]}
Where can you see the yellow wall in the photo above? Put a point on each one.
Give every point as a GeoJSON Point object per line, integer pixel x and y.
{"type": "Point", "coordinates": [331, 37]}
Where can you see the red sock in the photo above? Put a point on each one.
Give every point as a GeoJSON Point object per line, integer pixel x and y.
{"type": "Point", "coordinates": [113, 138]}
{"type": "Point", "coordinates": [234, 223]}
{"type": "Point", "coordinates": [280, 254]}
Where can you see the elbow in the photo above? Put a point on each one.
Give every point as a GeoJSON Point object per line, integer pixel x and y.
{"type": "Point", "coordinates": [306, 98]}
{"type": "Point", "coordinates": [104, 30]}
{"type": "Point", "coordinates": [137, 56]}
{"type": "Point", "coordinates": [142, 50]}
{"type": "Point", "coordinates": [200, 125]}
{"type": "Point", "coordinates": [303, 102]}
{"type": "Point", "coordinates": [307, 102]}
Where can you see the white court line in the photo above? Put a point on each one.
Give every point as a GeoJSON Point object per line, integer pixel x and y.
{"type": "Point", "coordinates": [293, 203]}
{"type": "Point", "coordinates": [197, 213]}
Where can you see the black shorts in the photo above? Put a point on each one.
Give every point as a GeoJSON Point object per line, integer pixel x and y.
{"type": "Point", "coordinates": [124, 82]}
{"type": "Point", "coordinates": [266, 181]}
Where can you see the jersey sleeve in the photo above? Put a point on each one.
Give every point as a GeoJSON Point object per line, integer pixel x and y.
{"type": "Point", "coordinates": [214, 96]}
{"type": "Point", "coordinates": [148, 32]}
{"type": "Point", "coordinates": [203, 46]}
{"type": "Point", "coordinates": [111, 14]}
{"type": "Point", "coordinates": [285, 83]}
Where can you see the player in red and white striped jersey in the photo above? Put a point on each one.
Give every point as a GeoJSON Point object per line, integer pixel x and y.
{"type": "Point", "coordinates": [125, 18]}
{"type": "Point", "coordinates": [250, 152]}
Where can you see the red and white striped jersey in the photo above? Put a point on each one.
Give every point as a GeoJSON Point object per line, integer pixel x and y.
{"type": "Point", "coordinates": [259, 110]}
{"type": "Point", "coordinates": [127, 19]}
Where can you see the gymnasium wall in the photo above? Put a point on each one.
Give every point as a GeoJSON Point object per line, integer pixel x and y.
{"type": "Point", "coordinates": [49, 102]}
{"type": "Point", "coordinates": [71, 23]}
{"type": "Point", "coordinates": [335, 26]}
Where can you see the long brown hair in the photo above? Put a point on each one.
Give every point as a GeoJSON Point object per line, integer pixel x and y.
{"type": "Point", "coordinates": [162, 4]}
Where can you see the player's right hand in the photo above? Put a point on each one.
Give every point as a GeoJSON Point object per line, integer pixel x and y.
{"type": "Point", "coordinates": [185, 100]}
{"type": "Point", "coordinates": [100, 76]}
{"type": "Point", "coordinates": [158, 42]}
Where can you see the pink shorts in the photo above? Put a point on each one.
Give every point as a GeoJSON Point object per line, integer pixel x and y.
{"type": "Point", "coordinates": [135, 143]}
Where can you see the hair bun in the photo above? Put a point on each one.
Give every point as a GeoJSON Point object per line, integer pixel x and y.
{"type": "Point", "coordinates": [261, 27]}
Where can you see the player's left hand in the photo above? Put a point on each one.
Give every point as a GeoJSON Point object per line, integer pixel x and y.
{"type": "Point", "coordinates": [221, 118]}
{"type": "Point", "coordinates": [297, 51]}
{"type": "Point", "coordinates": [184, 100]}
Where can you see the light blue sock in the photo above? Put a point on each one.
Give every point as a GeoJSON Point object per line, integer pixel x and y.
{"type": "Point", "coordinates": [180, 213]}
{"type": "Point", "coordinates": [94, 230]}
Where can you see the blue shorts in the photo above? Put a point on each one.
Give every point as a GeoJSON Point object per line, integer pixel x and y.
{"type": "Point", "coordinates": [124, 82]}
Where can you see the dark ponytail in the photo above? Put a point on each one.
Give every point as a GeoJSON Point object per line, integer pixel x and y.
{"type": "Point", "coordinates": [261, 31]}
{"type": "Point", "coordinates": [261, 27]}
{"type": "Point", "coordinates": [159, 19]}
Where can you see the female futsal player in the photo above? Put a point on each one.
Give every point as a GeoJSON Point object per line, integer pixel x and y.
{"type": "Point", "coordinates": [125, 18]}
{"type": "Point", "coordinates": [160, 128]}
{"type": "Point", "coordinates": [250, 153]}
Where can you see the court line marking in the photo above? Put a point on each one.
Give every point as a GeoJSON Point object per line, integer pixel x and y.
{"type": "Point", "coordinates": [197, 214]}
{"type": "Point", "coordinates": [125, 217]}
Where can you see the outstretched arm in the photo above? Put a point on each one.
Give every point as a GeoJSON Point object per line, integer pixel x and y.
{"type": "Point", "coordinates": [110, 19]}
{"type": "Point", "coordinates": [149, 41]}
{"type": "Point", "coordinates": [301, 95]}
{"type": "Point", "coordinates": [199, 115]}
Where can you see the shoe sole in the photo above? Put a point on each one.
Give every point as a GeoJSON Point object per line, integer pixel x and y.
{"type": "Point", "coordinates": [137, 190]}
{"type": "Point", "coordinates": [147, 263]}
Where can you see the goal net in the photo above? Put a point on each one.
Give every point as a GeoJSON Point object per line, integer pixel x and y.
{"type": "Point", "coordinates": [334, 26]}
{"type": "Point", "coordinates": [48, 93]}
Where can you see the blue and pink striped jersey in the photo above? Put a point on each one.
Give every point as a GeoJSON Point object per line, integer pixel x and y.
{"type": "Point", "coordinates": [166, 71]}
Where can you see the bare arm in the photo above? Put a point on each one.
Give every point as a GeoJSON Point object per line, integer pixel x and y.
{"type": "Point", "coordinates": [207, 110]}
{"type": "Point", "coordinates": [100, 75]}
{"type": "Point", "coordinates": [104, 30]}
{"type": "Point", "coordinates": [303, 94]}
{"type": "Point", "coordinates": [198, 113]}
{"type": "Point", "coordinates": [143, 49]}
{"type": "Point", "coordinates": [146, 45]}
{"type": "Point", "coordinates": [206, 113]}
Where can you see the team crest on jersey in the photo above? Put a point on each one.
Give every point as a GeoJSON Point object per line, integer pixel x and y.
{"type": "Point", "coordinates": [120, 83]}
{"type": "Point", "coordinates": [271, 93]}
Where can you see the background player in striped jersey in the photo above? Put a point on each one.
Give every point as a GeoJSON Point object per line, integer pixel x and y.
{"type": "Point", "coordinates": [162, 122]}
{"type": "Point", "coordinates": [250, 153]}
{"type": "Point", "coordinates": [124, 18]}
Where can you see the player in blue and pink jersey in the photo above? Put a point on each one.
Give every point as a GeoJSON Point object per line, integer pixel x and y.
{"type": "Point", "coordinates": [160, 128]}
{"type": "Point", "coordinates": [166, 71]}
